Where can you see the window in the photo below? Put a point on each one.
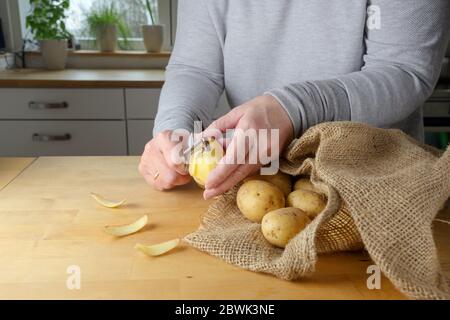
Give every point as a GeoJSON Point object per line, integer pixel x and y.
{"type": "Point", "coordinates": [134, 13]}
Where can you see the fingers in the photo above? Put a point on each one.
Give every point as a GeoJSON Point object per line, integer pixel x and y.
{"type": "Point", "coordinates": [173, 157]}
{"type": "Point", "coordinates": [234, 158]}
{"type": "Point", "coordinates": [157, 167]}
{"type": "Point", "coordinates": [170, 178]}
{"type": "Point", "coordinates": [241, 150]}
{"type": "Point", "coordinates": [160, 176]}
{"type": "Point", "coordinates": [237, 176]}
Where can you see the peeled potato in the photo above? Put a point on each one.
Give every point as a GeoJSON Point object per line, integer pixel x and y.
{"type": "Point", "coordinates": [204, 160]}
{"type": "Point", "coordinates": [256, 198]}
{"type": "Point", "coordinates": [311, 202]}
{"type": "Point", "coordinates": [281, 180]}
{"type": "Point", "coordinates": [305, 184]}
{"type": "Point", "coordinates": [280, 226]}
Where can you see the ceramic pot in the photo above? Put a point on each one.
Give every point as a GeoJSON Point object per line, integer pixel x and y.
{"type": "Point", "coordinates": [107, 38]}
{"type": "Point", "coordinates": [54, 54]}
{"type": "Point", "coordinates": [153, 37]}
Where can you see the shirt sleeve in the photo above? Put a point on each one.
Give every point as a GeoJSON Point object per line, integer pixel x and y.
{"type": "Point", "coordinates": [194, 75]}
{"type": "Point", "coordinates": [401, 68]}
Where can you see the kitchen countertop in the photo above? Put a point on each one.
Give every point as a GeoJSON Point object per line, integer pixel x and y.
{"type": "Point", "coordinates": [10, 168]}
{"type": "Point", "coordinates": [78, 78]}
{"type": "Point", "coordinates": [50, 222]}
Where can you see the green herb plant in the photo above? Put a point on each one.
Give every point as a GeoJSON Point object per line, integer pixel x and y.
{"type": "Point", "coordinates": [107, 14]}
{"type": "Point", "coordinates": [148, 4]}
{"type": "Point", "coordinates": [47, 19]}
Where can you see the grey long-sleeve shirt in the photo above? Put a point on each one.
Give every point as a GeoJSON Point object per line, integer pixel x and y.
{"type": "Point", "coordinates": [324, 60]}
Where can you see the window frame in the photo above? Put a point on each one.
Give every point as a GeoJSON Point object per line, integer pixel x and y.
{"type": "Point", "coordinates": [13, 27]}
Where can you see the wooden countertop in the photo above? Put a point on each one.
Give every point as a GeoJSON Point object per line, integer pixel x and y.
{"type": "Point", "coordinates": [77, 78]}
{"type": "Point", "coordinates": [10, 168]}
{"type": "Point", "coordinates": [49, 222]}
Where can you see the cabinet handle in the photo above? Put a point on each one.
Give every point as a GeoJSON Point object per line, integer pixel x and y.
{"type": "Point", "coordinates": [45, 106]}
{"type": "Point", "coordinates": [45, 137]}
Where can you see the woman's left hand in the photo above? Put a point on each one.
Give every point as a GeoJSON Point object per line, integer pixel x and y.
{"type": "Point", "coordinates": [264, 112]}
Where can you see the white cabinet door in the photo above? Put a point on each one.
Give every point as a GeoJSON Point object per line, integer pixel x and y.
{"type": "Point", "coordinates": [142, 103]}
{"type": "Point", "coordinates": [139, 133]}
{"type": "Point", "coordinates": [62, 138]}
{"type": "Point", "coordinates": [52, 104]}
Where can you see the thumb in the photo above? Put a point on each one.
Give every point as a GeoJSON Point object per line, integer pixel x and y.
{"type": "Point", "coordinates": [172, 152]}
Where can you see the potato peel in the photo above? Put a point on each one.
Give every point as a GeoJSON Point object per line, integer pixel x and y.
{"type": "Point", "coordinates": [107, 203]}
{"type": "Point", "coordinates": [126, 230]}
{"type": "Point", "coordinates": [158, 249]}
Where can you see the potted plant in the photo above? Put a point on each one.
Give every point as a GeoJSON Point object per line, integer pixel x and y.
{"type": "Point", "coordinates": [47, 22]}
{"type": "Point", "coordinates": [106, 23]}
{"type": "Point", "coordinates": [153, 33]}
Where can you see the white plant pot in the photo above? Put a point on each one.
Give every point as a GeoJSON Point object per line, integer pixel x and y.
{"type": "Point", "coordinates": [107, 38]}
{"type": "Point", "coordinates": [153, 37]}
{"type": "Point", "coordinates": [54, 54]}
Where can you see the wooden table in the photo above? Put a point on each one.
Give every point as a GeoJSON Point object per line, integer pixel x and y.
{"type": "Point", "coordinates": [10, 168]}
{"type": "Point", "coordinates": [49, 222]}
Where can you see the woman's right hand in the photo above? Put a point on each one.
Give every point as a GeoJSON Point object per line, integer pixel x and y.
{"type": "Point", "coordinates": [157, 164]}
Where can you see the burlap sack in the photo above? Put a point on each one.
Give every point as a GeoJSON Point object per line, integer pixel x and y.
{"type": "Point", "coordinates": [384, 191]}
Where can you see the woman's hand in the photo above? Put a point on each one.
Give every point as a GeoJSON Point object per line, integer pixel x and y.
{"type": "Point", "coordinates": [263, 112]}
{"type": "Point", "coordinates": [159, 166]}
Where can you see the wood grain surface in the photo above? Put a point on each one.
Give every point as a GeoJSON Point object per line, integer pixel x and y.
{"type": "Point", "coordinates": [74, 78]}
{"type": "Point", "coordinates": [10, 168]}
{"type": "Point", "coordinates": [49, 222]}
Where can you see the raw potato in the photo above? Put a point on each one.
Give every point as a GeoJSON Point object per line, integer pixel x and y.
{"type": "Point", "coordinates": [311, 202]}
{"type": "Point", "coordinates": [305, 184]}
{"type": "Point", "coordinates": [280, 226]}
{"type": "Point", "coordinates": [158, 249]}
{"type": "Point", "coordinates": [256, 198]}
{"type": "Point", "coordinates": [126, 230]}
{"type": "Point", "coordinates": [107, 203]}
{"type": "Point", "coordinates": [281, 180]}
{"type": "Point", "coordinates": [204, 160]}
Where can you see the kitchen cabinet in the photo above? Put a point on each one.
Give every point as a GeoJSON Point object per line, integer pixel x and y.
{"type": "Point", "coordinates": [63, 138]}
{"type": "Point", "coordinates": [139, 133]}
{"type": "Point", "coordinates": [34, 104]}
{"type": "Point", "coordinates": [62, 122]}
{"type": "Point", "coordinates": [79, 121]}
{"type": "Point", "coordinates": [142, 103]}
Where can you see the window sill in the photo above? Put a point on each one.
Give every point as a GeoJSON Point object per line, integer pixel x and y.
{"type": "Point", "coordinates": [94, 53]}
{"type": "Point", "coordinates": [87, 59]}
